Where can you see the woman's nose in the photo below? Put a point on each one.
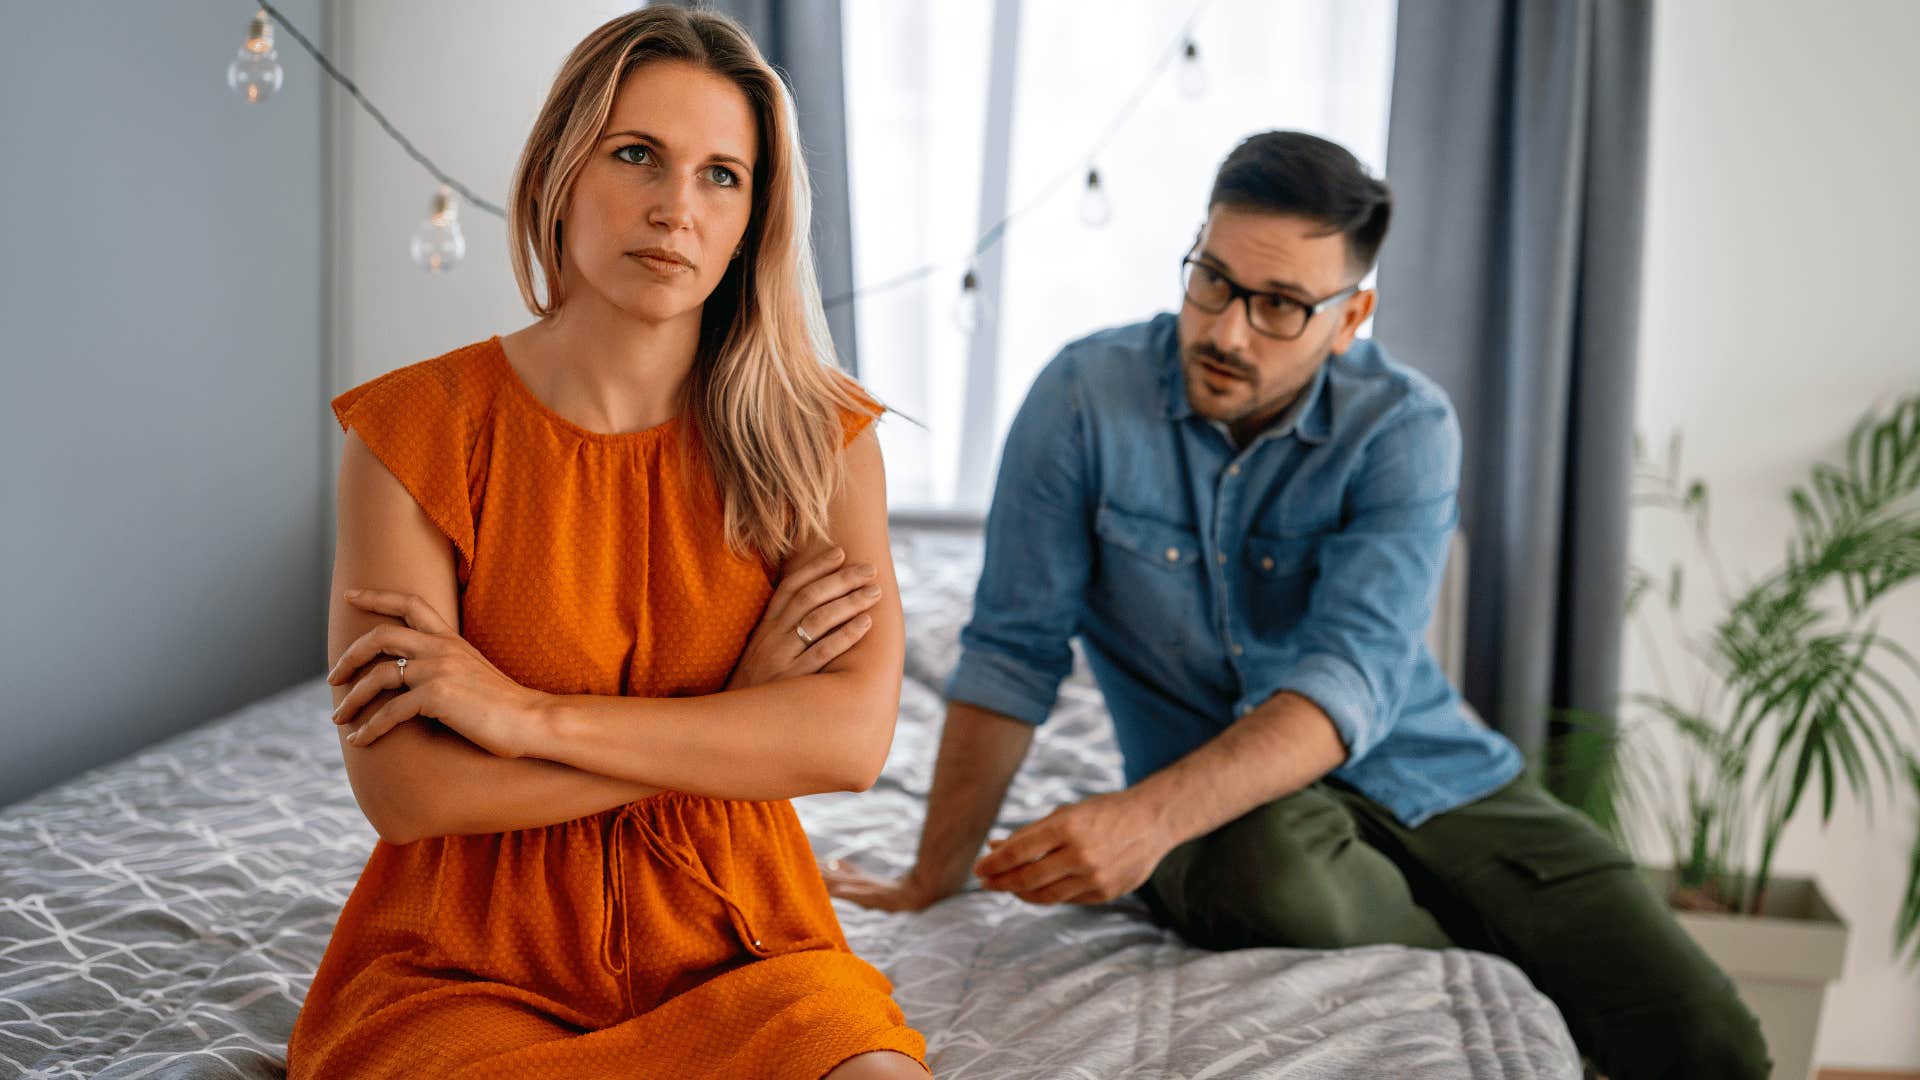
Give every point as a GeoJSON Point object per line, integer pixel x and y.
{"type": "Point", "coordinates": [673, 205]}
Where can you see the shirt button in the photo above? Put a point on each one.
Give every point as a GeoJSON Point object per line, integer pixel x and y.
{"type": "Point", "coordinates": [1266, 563]}
{"type": "Point", "coordinates": [1237, 650]}
{"type": "Point", "coordinates": [1173, 554]}
{"type": "Point", "coordinates": [1233, 470]}
{"type": "Point", "coordinates": [1223, 558]}
{"type": "Point", "coordinates": [1245, 709]}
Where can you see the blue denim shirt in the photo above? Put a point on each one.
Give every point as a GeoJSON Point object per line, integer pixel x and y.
{"type": "Point", "coordinates": [1203, 579]}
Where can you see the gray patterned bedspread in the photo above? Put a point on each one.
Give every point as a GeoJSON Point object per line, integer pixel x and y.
{"type": "Point", "coordinates": [162, 916]}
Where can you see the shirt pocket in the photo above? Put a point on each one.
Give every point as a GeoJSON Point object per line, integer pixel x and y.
{"type": "Point", "coordinates": [1150, 583]}
{"type": "Point", "coordinates": [1280, 571]}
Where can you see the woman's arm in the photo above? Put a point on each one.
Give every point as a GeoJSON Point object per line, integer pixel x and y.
{"type": "Point", "coordinates": [828, 731]}
{"type": "Point", "coordinates": [825, 731]}
{"type": "Point", "coordinates": [425, 780]}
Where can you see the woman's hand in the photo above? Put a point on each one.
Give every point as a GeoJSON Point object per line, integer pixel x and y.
{"type": "Point", "coordinates": [444, 678]}
{"type": "Point", "coordinates": [820, 600]}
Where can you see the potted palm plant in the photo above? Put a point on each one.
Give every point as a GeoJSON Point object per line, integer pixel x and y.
{"type": "Point", "coordinates": [1794, 704]}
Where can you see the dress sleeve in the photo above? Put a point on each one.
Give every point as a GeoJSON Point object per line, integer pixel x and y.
{"type": "Point", "coordinates": [856, 420]}
{"type": "Point", "coordinates": [418, 423]}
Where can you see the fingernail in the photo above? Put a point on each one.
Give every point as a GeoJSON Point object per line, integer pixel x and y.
{"type": "Point", "coordinates": [354, 592]}
{"type": "Point", "coordinates": [864, 570]}
{"type": "Point", "coordinates": [837, 554]}
{"type": "Point", "coordinates": [870, 591]}
{"type": "Point", "coordinates": [353, 737]}
{"type": "Point", "coordinates": [863, 622]}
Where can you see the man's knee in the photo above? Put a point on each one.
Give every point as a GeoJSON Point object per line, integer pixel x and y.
{"type": "Point", "coordinates": [1264, 879]}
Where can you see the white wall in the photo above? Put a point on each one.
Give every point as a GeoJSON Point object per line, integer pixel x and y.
{"type": "Point", "coordinates": [1783, 225]}
{"type": "Point", "coordinates": [420, 63]}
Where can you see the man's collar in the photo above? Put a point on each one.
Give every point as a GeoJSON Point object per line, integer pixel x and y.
{"type": "Point", "coordinates": [1309, 417]}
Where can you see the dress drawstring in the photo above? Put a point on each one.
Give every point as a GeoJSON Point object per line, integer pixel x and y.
{"type": "Point", "coordinates": [639, 815]}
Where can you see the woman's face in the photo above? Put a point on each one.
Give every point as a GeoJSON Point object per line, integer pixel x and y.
{"type": "Point", "coordinates": [664, 199]}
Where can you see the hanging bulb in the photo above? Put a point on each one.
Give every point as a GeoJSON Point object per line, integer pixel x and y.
{"type": "Point", "coordinates": [255, 74]}
{"type": "Point", "coordinates": [1193, 77]}
{"type": "Point", "coordinates": [971, 311]}
{"type": "Point", "coordinates": [438, 244]}
{"type": "Point", "coordinates": [1095, 208]}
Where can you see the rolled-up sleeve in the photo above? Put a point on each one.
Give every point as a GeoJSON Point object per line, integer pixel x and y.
{"type": "Point", "coordinates": [1379, 577]}
{"type": "Point", "coordinates": [1014, 650]}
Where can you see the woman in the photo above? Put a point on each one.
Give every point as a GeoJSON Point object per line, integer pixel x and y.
{"type": "Point", "coordinates": [572, 699]}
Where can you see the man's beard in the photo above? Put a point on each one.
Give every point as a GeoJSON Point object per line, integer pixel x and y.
{"type": "Point", "coordinates": [1255, 402]}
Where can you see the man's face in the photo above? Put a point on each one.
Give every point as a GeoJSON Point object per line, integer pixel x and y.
{"type": "Point", "coordinates": [1234, 373]}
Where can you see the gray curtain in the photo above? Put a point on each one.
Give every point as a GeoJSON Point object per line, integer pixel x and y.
{"type": "Point", "coordinates": [1517, 155]}
{"type": "Point", "coordinates": [802, 39]}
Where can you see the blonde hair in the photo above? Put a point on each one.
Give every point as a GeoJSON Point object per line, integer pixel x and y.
{"type": "Point", "coordinates": [766, 394]}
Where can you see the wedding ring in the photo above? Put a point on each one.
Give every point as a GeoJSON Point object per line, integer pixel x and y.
{"type": "Point", "coordinates": [400, 665]}
{"type": "Point", "coordinates": [804, 636]}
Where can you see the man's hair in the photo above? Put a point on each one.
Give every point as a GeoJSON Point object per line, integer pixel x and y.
{"type": "Point", "coordinates": [1291, 172]}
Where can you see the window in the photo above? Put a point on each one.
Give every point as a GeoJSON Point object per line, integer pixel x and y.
{"type": "Point", "coordinates": [921, 152]}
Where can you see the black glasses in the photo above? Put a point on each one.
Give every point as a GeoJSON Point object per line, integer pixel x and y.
{"type": "Point", "coordinates": [1269, 313]}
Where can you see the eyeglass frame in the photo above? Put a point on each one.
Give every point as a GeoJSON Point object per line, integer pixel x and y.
{"type": "Point", "coordinates": [1237, 291]}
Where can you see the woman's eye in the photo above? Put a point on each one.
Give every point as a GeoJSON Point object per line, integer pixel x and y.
{"type": "Point", "coordinates": [636, 148]}
{"type": "Point", "coordinates": [723, 176]}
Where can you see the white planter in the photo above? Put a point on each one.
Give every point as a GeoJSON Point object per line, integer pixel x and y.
{"type": "Point", "coordinates": [1781, 959]}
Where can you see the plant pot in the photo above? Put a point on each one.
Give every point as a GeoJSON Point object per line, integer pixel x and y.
{"type": "Point", "coordinates": [1781, 959]}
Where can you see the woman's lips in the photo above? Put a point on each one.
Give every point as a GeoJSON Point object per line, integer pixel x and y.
{"type": "Point", "coordinates": [661, 265]}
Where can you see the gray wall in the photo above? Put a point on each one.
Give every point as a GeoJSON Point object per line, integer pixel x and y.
{"type": "Point", "coordinates": [161, 386]}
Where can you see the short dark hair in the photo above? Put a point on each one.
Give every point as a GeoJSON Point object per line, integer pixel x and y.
{"type": "Point", "coordinates": [1292, 172]}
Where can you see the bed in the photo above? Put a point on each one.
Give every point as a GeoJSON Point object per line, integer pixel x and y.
{"type": "Point", "coordinates": [162, 916]}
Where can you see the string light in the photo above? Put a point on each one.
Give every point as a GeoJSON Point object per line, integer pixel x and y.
{"type": "Point", "coordinates": [1192, 78]}
{"type": "Point", "coordinates": [255, 74]}
{"type": "Point", "coordinates": [1095, 208]}
{"type": "Point", "coordinates": [970, 311]}
{"type": "Point", "coordinates": [438, 245]}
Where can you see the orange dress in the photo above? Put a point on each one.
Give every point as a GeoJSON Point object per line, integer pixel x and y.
{"type": "Point", "coordinates": [677, 936]}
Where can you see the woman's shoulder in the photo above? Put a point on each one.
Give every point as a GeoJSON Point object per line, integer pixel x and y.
{"type": "Point", "coordinates": [459, 385]}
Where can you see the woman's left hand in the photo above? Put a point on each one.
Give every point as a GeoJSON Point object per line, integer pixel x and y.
{"type": "Point", "coordinates": [445, 678]}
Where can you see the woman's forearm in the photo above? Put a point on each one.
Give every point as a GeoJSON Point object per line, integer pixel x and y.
{"type": "Point", "coordinates": [824, 732]}
{"type": "Point", "coordinates": [423, 780]}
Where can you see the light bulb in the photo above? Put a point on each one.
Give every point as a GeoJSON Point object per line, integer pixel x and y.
{"type": "Point", "coordinates": [1095, 208]}
{"type": "Point", "coordinates": [438, 244]}
{"type": "Point", "coordinates": [255, 74]}
{"type": "Point", "coordinates": [971, 311]}
{"type": "Point", "coordinates": [1193, 77]}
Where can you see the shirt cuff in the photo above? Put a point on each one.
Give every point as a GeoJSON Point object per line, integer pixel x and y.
{"type": "Point", "coordinates": [1004, 685]}
{"type": "Point", "coordinates": [1341, 692]}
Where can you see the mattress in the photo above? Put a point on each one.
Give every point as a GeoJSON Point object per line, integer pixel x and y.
{"type": "Point", "coordinates": [162, 917]}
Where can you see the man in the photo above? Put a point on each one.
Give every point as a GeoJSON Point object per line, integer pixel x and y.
{"type": "Point", "coordinates": [1243, 512]}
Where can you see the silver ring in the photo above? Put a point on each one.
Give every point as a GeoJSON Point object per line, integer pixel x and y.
{"type": "Point", "coordinates": [400, 665]}
{"type": "Point", "coordinates": [804, 636]}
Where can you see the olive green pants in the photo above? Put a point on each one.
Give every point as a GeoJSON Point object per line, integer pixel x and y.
{"type": "Point", "coordinates": [1517, 873]}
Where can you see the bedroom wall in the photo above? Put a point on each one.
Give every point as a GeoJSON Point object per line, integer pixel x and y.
{"type": "Point", "coordinates": [163, 296]}
{"type": "Point", "coordinates": [1782, 226]}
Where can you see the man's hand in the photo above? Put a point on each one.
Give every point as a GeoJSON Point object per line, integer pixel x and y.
{"type": "Point", "coordinates": [1089, 852]}
{"type": "Point", "coordinates": [907, 894]}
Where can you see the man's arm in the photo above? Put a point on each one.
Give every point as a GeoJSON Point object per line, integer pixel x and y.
{"type": "Point", "coordinates": [1015, 648]}
{"type": "Point", "coordinates": [980, 751]}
